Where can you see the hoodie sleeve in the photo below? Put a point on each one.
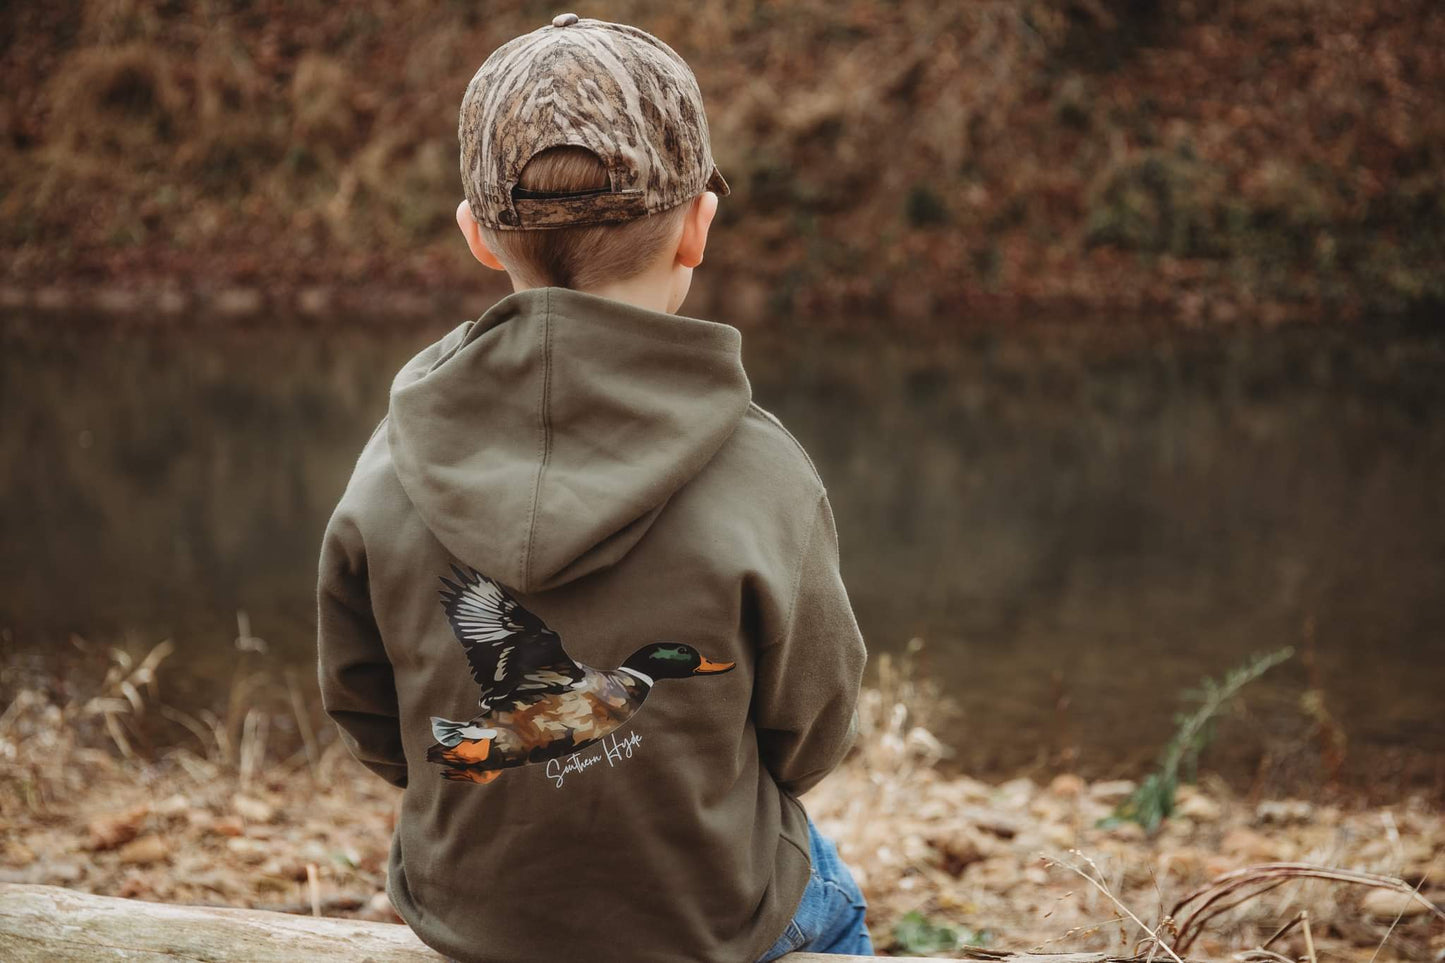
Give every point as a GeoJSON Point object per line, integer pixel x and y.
{"type": "Point", "coordinates": [806, 686]}
{"type": "Point", "coordinates": [358, 689]}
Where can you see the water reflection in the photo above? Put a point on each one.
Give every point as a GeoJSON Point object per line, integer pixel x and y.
{"type": "Point", "coordinates": [1079, 527]}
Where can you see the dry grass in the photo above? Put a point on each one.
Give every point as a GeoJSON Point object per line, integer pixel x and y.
{"type": "Point", "coordinates": [117, 792]}
{"type": "Point", "coordinates": [223, 811]}
{"type": "Point", "coordinates": [1219, 158]}
{"type": "Point", "coordinates": [1007, 860]}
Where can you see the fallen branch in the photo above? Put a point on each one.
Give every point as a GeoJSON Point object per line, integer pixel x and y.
{"type": "Point", "coordinates": [48, 924]}
{"type": "Point", "coordinates": [44, 923]}
{"type": "Point", "coordinates": [1245, 884]}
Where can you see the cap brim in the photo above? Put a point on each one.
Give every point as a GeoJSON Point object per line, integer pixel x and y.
{"type": "Point", "coordinates": [716, 184]}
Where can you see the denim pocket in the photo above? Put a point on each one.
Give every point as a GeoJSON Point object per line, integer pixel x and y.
{"type": "Point", "coordinates": [793, 938]}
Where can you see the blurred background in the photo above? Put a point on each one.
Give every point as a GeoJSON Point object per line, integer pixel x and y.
{"type": "Point", "coordinates": [1113, 326]}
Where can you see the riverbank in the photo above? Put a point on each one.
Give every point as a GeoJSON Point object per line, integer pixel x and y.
{"type": "Point", "coordinates": [231, 816]}
{"type": "Point", "coordinates": [146, 298]}
{"type": "Point", "coordinates": [1208, 161]}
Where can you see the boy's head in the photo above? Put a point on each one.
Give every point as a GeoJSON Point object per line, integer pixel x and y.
{"type": "Point", "coordinates": [586, 162]}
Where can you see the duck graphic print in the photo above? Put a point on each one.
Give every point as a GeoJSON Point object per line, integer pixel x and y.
{"type": "Point", "coordinates": [536, 702]}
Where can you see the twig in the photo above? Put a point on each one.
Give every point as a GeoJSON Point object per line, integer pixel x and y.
{"type": "Point", "coordinates": [1192, 923]}
{"type": "Point", "coordinates": [118, 736]}
{"type": "Point", "coordinates": [200, 770]}
{"type": "Point", "coordinates": [303, 724]}
{"type": "Point", "coordinates": [192, 724]}
{"type": "Point", "coordinates": [1262, 955]}
{"type": "Point", "coordinates": [1282, 931]}
{"type": "Point", "coordinates": [1108, 894]}
{"type": "Point", "coordinates": [314, 886]}
{"type": "Point", "coordinates": [253, 745]}
{"type": "Point", "coordinates": [1309, 937]}
{"type": "Point", "coordinates": [1201, 917]}
{"type": "Point", "coordinates": [1398, 917]}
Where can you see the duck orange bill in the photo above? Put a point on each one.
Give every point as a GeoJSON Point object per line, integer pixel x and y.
{"type": "Point", "coordinates": [709, 666]}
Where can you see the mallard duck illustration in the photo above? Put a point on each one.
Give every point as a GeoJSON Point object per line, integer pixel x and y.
{"type": "Point", "coordinates": [537, 703]}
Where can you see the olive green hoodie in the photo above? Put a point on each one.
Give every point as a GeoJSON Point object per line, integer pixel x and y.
{"type": "Point", "coordinates": [581, 601]}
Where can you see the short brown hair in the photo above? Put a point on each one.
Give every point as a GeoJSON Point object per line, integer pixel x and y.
{"type": "Point", "coordinates": [580, 257]}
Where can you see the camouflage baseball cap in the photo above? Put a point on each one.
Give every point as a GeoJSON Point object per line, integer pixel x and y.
{"type": "Point", "coordinates": [615, 90]}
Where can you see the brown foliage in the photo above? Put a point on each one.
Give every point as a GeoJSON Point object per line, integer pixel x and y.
{"type": "Point", "coordinates": [1217, 156]}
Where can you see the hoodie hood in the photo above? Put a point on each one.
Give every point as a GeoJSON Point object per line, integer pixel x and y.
{"type": "Point", "coordinates": [539, 442]}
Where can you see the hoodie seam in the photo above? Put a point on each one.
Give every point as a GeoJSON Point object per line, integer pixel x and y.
{"type": "Point", "coordinates": [773, 420]}
{"type": "Point", "coordinates": [798, 571]}
{"type": "Point", "coordinates": [545, 445]}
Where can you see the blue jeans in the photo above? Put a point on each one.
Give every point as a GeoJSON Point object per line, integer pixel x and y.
{"type": "Point", "coordinates": [830, 917]}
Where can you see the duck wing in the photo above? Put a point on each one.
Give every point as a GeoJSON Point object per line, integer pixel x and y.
{"type": "Point", "coordinates": [511, 651]}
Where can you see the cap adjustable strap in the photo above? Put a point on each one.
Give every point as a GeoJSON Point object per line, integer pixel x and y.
{"type": "Point", "coordinates": [539, 209]}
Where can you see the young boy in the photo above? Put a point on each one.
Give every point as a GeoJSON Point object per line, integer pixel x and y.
{"type": "Point", "coordinates": [581, 597]}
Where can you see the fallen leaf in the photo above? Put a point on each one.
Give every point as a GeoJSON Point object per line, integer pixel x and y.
{"type": "Point", "coordinates": [249, 850]}
{"type": "Point", "coordinates": [228, 826]}
{"type": "Point", "coordinates": [133, 887]}
{"type": "Point", "coordinates": [174, 805]}
{"type": "Point", "coordinates": [253, 810]}
{"type": "Point", "coordinates": [110, 831]}
{"type": "Point", "coordinates": [146, 849]}
{"type": "Point", "coordinates": [18, 854]}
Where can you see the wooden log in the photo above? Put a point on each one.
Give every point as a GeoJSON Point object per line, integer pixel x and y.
{"type": "Point", "coordinates": [40, 923]}
{"type": "Point", "coordinates": [49, 924]}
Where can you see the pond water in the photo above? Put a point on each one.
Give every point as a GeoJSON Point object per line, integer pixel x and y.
{"type": "Point", "coordinates": [1080, 521]}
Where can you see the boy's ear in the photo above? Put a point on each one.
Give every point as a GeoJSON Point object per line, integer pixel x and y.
{"type": "Point", "coordinates": [695, 226]}
{"type": "Point", "coordinates": [472, 231]}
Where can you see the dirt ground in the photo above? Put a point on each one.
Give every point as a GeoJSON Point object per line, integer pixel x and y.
{"type": "Point", "coordinates": [945, 861]}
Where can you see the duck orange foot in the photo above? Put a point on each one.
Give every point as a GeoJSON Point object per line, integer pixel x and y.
{"type": "Point", "coordinates": [468, 752]}
{"type": "Point", "coordinates": [470, 775]}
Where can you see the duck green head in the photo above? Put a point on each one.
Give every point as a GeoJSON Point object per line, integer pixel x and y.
{"type": "Point", "coordinates": [673, 660]}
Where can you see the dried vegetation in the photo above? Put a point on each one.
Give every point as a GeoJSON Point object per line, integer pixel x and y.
{"type": "Point", "coordinates": [1219, 158]}
{"type": "Point", "coordinates": [1020, 866]}
{"type": "Point", "coordinates": [106, 789]}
